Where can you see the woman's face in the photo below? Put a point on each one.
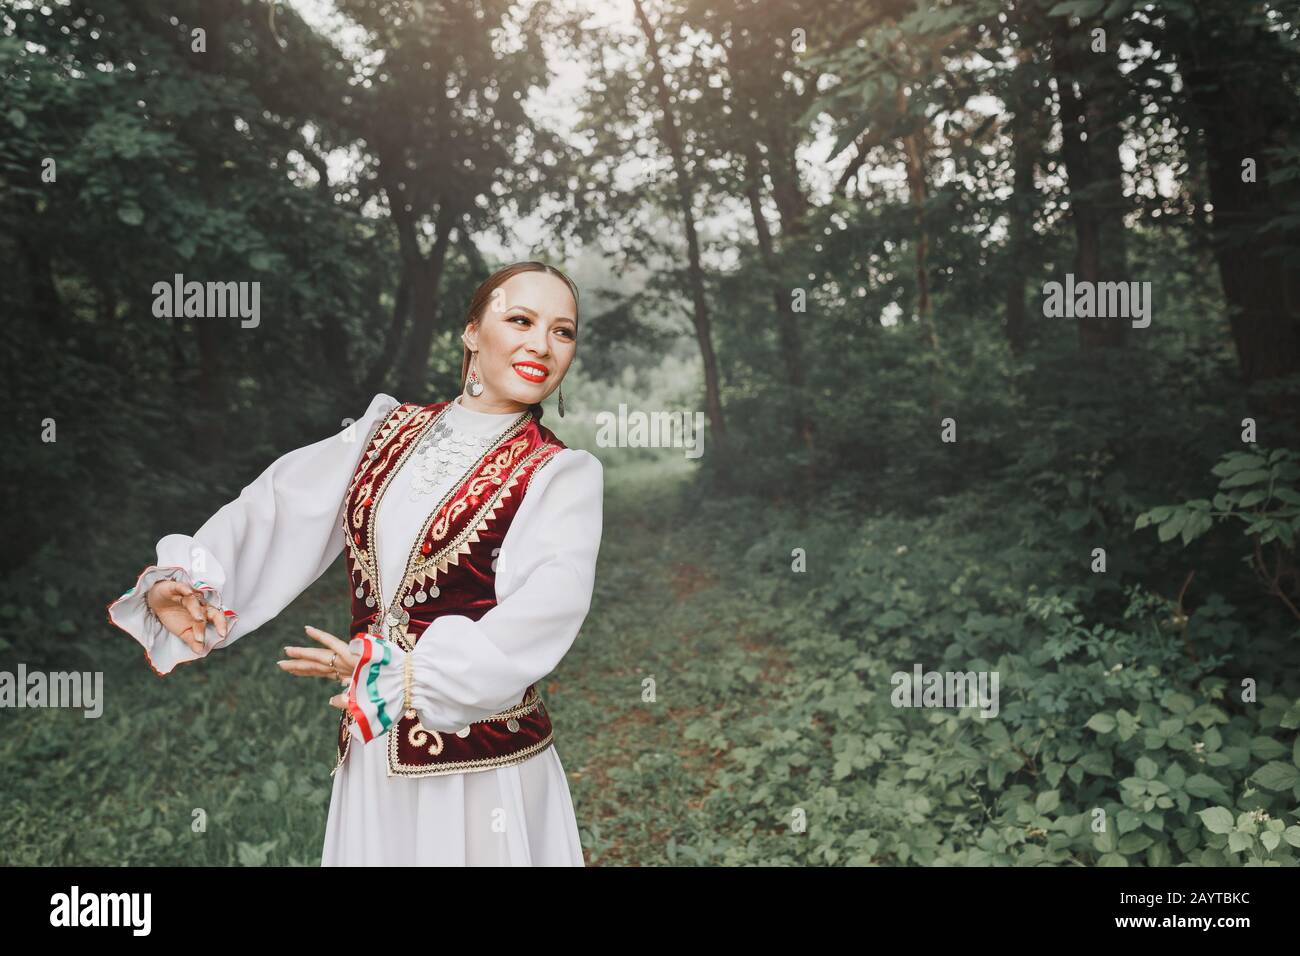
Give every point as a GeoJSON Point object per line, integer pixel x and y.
{"type": "Point", "coordinates": [525, 341]}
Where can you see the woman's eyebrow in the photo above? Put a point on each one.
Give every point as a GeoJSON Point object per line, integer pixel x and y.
{"type": "Point", "coordinates": [563, 318]}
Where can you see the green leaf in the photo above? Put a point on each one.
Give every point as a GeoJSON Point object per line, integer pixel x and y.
{"type": "Point", "coordinates": [1276, 775]}
{"type": "Point", "coordinates": [1216, 819]}
{"type": "Point", "coordinates": [1102, 723]}
{"type": "Point", "coordinates": [1252, 498]}
{"type": "Point", "coordinates": [1250, 477]}
{"type": "Point", "coordinates": [1291, 719]}
{"type": "Point", "coordinates": [1098, 764]}
{"type": "Point", "coordinates": [1292, 835]}
{"type": "Point", "coordinates": [1047, 801]}
{"type": "Point", "coordinates": [1238, 841]}
{"type": "Point", "coordinates": [1134, 843]}
{"type": "Point", "coordinates": [1169, 530]}
{"type": "Point", "coordinates": [1236, 461]}
{"type": "Point", "coordinates": [1146, 768]}
{"type": "Point", "coordinates": [1205, 786]}
{"type": "Point", "coordinates": [132, 215]}
{"type": "Point", "coordinates": [1266, 748]}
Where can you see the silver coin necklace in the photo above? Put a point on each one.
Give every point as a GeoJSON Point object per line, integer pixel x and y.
{"type": "Point", "coordinates": [446, 451]}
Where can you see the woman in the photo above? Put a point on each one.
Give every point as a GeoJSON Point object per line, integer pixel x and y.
{"type": "Point", "coordinates": [471, 534]}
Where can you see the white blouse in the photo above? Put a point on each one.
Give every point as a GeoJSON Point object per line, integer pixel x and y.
{"type": "Point", "coordinates": [260, 551]}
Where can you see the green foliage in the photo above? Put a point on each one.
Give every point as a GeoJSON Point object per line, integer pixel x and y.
{"type": "Point", "coordinates": [1259, 488]}
{"type": "Point", "coordinates": [1148, 707]}
{"type": "Point", "coordinates": [1113, 746]}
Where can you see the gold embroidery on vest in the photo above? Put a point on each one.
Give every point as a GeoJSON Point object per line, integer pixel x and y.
{"type": "Point", "coordinates": [382, 435]}
{"type": "Point", "coordinates": [398, 769]}
{"type": "Point", "coordinates": [417, 735]}
{"type": "Point", "coordinates": [532, 702]}
{"type": "Point", "coordinates": [410, 572]}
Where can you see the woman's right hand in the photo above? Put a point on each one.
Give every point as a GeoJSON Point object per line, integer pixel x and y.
{"type": "Point", "coordinates": [183, 612]}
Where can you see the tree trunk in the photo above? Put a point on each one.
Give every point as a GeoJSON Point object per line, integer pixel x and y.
{"type": "Point", "coordinates": [1025, 143]}
{"type": "Point", "coordinates": [1246, 118]}
{"type": "Point", "coordinates": [700, 309]}
{"type": "Point", "coordinates": [46, 305]}
{"type": "Point", "coordinates": [425, 305]}
{"type": "Point", "coordinates": [786, 322]}
{"type": "Point", "coordinates": [1090, 136]}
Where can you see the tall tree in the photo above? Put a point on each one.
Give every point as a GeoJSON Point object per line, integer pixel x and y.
{"type": "Point", "coordinates": [440, 110]}
{"type": "Point", "coordinates": [1092, 99]}
{"type": "Point", "coordinates": [685, 199]}
{"type": "Point", "coordinates": [1241, 68]}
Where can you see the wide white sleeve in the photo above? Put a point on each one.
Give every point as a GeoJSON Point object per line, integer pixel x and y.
{"type": "Point", "coordinates": [464, 670]}
{"type": "Point", "coordinates": [260, 551]}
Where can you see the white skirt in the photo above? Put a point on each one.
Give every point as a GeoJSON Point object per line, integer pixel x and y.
{"type": "Point", "coordinates": [510, 816]}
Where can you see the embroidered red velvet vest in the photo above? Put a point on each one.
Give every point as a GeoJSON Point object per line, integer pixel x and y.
{"type": "Point", "coordinates": [449, 571]}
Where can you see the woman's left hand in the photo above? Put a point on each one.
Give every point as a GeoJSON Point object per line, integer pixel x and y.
{"type": "Point", "coordinates": [334, 661]}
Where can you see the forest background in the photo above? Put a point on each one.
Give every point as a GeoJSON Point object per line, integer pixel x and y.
{"type": "Point", "coordinates": [831, 228]}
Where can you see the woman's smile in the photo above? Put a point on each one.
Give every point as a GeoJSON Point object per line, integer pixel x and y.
{"type": "Point", "coordinates": [531, 371]}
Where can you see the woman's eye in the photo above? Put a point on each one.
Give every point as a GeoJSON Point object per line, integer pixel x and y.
{"type": "Point", "coordinates": [521, 318]}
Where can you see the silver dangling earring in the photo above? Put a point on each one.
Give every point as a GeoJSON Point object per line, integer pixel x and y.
{"type": "Point", "coordinates": [473, 385]}
{"type": "Point", "coordinates": [561, 390]}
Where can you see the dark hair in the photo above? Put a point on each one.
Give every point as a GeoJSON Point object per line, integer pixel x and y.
{"type": "Point", "coordinates": [483, 294]}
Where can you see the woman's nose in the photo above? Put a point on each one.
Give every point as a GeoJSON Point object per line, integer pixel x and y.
{"type": "Point", "coordinates": [538, 342]}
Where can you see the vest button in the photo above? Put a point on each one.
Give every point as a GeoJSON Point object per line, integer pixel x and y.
{"type": "Point", "coordinates": [463, 732]}
{"type": "Point", "coordinates": [512, 725]}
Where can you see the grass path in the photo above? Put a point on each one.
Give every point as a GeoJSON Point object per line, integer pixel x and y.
{"type": "Point", "coordinates": [662, 612]}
